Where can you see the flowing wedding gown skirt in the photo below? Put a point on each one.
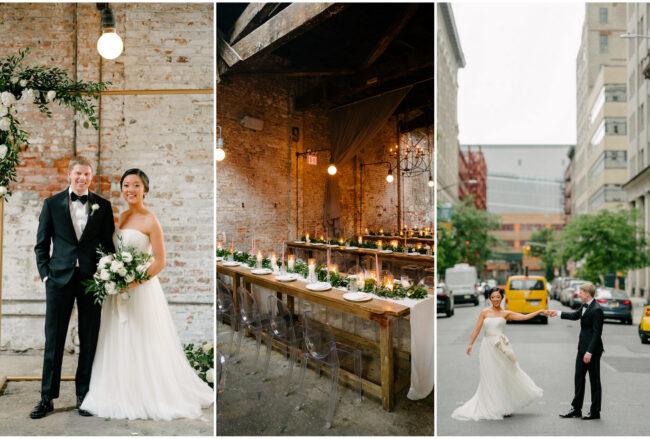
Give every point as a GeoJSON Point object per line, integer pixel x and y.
{"type": "Point", "coordinates": [140, 370]}
{"type": "Point", "coordinates": [503, 387]}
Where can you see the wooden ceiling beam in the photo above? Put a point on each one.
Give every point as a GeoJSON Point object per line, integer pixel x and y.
{"type": "Point", "coordinates": [283, 27]}
{"type": "Point", "coordinates": [393, 32]}
{"type": "Point", "coordinates": [253, 16]}
{"type": "Point", "coordinates": [227, 54]}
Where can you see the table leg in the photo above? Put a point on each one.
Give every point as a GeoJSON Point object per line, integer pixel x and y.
{"type": "Point", "coordinates": [387, 363]}
{"type": "Point", "coordinates": [235, 284]}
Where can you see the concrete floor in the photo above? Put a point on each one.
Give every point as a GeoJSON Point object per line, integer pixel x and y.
{"type": "Point", "coordinates": [251, 407]}
{"type": "Point", "coordinates": [19, 397]}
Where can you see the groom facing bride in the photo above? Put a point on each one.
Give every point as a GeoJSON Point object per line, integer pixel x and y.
{"type": "Point", "coordinates": [75, 223]}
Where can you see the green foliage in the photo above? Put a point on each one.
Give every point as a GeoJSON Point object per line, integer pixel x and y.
{"type": "Point", "coordinates": [201, 358]}
{"type": "Point", "coordinates": [548, 254]}
{"type": "Point", "coordinates": [24, 84]}
{"type": "Point", "coordinates": [607, 242]}
{"type": "Point", "coordinates": [446, 250]}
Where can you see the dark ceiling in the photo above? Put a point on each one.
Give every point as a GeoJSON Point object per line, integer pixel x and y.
{"type": "Point", "coordinates": [360, 51]}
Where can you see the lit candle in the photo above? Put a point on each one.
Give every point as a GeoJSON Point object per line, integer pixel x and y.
{"type": "Point", "coordinates": [360, 240]}
{"type": "Point", "coordinates": [388, 282]}
{"type": "Point", "coordinates": [401, 233]}
{"type": "Point", "coordinates": [219, 245]}
{"type": "Point", "coordinates": [379, 245]}
{"type": "Point", "coordinates": [259, 257]}
{"type": "Point", "coordinates": [394, 244]}
{"type": "Point", "coordinates": [366, 230]}
{"type": "Point", "coordinates": [292, 261]}
{"type": "Point", "coordinates": [340, 241]}
{"type": "Point", "coordinates": [361, 282]}
{"type": "Point", "coordinates": [312, 270]}
{"type": "Point", "coordinates": [321, 237]}
{"type": "Point", "coordinates": [307, 237]}
{"type": "Point", "coordinates": [334, 268]}
{"type": "Point", "coordinates": [421, 232]}
{"type": "Point", "coordinates": [381, 231]}
{"type": "Point", "coordinates": [274, 259]}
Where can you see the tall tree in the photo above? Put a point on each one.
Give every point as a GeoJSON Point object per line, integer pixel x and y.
{"type": "Point", "coordinates": [547, 252]}
{"type": "Point", "coordinates": [606, 242]}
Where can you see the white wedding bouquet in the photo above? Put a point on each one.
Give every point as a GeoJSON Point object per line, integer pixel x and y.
{"type": "Point", "coordinates": [115, 271]}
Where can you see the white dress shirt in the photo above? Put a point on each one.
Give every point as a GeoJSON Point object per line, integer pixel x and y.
{"type": "Point", "coordinates": [79, 215]}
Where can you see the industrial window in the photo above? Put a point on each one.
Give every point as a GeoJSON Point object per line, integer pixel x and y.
{"type": "Point", "coordinates": [603, 15]}
{"type": "Point", "coordinates": [603, 44]}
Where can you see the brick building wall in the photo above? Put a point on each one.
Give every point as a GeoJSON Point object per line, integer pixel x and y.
{"type": "Point", "coordinates": [170, 137]}
{"type": "Point", "coordinates": [263, 188]}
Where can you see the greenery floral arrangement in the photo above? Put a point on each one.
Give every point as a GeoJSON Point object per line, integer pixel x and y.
{"type": "Point", "coordinates": [398, 291]}
{"type": "Point", "coordinates": [201, 358]}
{"type": "Point", "coordinates": [40, 86]}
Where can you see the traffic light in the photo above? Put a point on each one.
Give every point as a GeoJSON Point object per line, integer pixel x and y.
{"type": "Point", "coordinates": [466, 242]}
{"type": "Point", "coordinates": [526, 249]}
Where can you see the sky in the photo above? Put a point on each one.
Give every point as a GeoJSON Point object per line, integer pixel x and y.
{"type": "Point", "coordinates": [519, 82]}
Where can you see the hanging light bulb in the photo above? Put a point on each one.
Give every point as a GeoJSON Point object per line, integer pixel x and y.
{"type": "Point", "coordinates": [219, 153]}
{"type": "Point", "coordinates": [110, 44]}
{"type": "Point", "coordinates": [389, 177]}
{"type": "Point", "coordinates": [430, 181]}
{"type": "Point", "coordinates": [331, 169]}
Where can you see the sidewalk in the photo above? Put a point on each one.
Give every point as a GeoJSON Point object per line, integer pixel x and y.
{"type": "Point", "coordinates": [19, 397]}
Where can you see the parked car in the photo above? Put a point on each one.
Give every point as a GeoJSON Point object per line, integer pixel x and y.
{"type": "Point", "coordinates": [555, 288]}
{"type": "Point", "coordinates": [644, 326]}
{"type": "Point", "coordinates": [462, 282]}
{"type": "Point", "coordinates": [616, 304]}
{"type": "Point", "coordinates": [571, 287]}
{"type": "Point", "coordinates": [527, 294]}
{"type": "Point", "coordinates": [445, 301]}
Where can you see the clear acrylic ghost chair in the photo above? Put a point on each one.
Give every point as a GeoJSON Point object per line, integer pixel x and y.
{"type": "Point", "coordinates": [427, 282]}
{"type": "Point", "coordinates": [250, 318]}
{"type": "Point", "coordinates": [282, 328]}
{"type": "Point", "coordinates": [221, 375]}
{"type": "Point", "coordinates": [321, 346]}
{"type": "Point", "coordinates": [226, 311]}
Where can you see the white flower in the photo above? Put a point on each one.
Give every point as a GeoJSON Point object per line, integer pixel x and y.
{"type": "Point", "coordinates": [207, 347]}
{"type": "Point", "coordinates": [209, 376]}
{"type": "Point", "coordinates": [104, 275]}
{"type": "Point", "coordinates": [3, 110]}
{"type": "Point", "coordinates": [27, 96]}
{"type": "Point", "coordinates": [51, 95]}
{"type": "Point", "coordinates": [3, 151]}
{"type": "Point", "coordinates": [116, 265]}
{"type": "Point", "coordinates": [111, 288]}
{"type": "Point", "coordinates": [105, 260]}
{"type": "Point", "coordinates": [127, 257]}
{"type": "Point", "coordinates": [129, 278]}
{"type": "Point", "coordinates": [7, 98]}
{"type": "Point", "coordinates": [3, 190]}
{"type": "Point", "coordinates": [122, 271]}
{"type": "Point", "coordinates": [23, 83]}
{"type": "Point", "coordinates": [94, 208]}
{"type": "Point", "coordinates": [14, 79]}
{"type": "Point", "coordinates": [5, 124]}
{"type": "Point", "coordinates": [141, 268]}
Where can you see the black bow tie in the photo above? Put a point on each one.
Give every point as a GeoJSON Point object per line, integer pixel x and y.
{"type": "Point", "coordinates": [82, 198]}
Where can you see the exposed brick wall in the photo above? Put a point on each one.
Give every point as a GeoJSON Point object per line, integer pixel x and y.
{"type": "Point", "coordinates": [170, 137]}
{"type": "Point", "coordinates": [280, 203]}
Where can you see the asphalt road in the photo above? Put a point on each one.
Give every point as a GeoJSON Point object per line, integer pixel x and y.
{"type": "Point", "coordinates": [547, 354]}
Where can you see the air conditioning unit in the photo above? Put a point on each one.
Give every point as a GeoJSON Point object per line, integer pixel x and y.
{"type": "Point", "coordinates": [252, 123]}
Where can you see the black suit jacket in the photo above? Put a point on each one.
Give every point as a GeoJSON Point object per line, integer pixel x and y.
{"type": "Point", "coordinates": [55, 228]}
{"type": "Point", "coordinates": [591, 328]}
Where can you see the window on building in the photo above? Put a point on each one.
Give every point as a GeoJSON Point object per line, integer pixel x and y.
{"type": "Point", "coordinates": [603, 44]}
{"type": "Point", "coordinates": [602, 15]}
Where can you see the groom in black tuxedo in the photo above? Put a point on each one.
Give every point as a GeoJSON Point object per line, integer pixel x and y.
{"type": "Point", "coordinates": [75, 222]}
{"type": "Point", "coordinates": [590, 349]}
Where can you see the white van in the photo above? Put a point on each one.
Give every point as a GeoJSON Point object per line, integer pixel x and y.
{"type": "Point", "coordinates": [461, 281]}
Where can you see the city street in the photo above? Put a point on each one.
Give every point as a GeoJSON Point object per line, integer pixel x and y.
{"type": "Point", "coordinates": [547, 354]}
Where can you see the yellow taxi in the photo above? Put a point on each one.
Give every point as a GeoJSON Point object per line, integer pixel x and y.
{"type": "Point", "coordinates": [644, 326]}
{"type": "Point", "coordinates": [527, 294]}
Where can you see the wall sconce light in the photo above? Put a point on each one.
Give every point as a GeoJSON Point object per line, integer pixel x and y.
{"type": "Point", "coordinates": [219, 153]}
{"type": "Point", "coordinates": [110, 44]}
{"type": "Point", "coordinates": [331, 169]}
{"type": "Point", "coordinates": [430, 181]}
{"type": "Point", "coordinates": [389, 177]}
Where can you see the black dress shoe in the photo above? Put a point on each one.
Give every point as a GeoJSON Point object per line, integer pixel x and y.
{"type": "Point", "coordinates": [591, 416]}
{"type": "Point", "coordinates": [573, 413]}
{"type": "Point", "coordinates": [43, 407]}
{"type": "Point", "coordinates": [80, 400]}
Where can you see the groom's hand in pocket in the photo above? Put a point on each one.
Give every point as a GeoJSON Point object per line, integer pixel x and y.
{"type": "Point", "coordinates": [587, 358]}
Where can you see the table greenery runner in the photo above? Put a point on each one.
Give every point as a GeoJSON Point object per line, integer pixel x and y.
{"type": "Point", "coordinates": [336, 279]}
{"type": "Point", "coordinates": [40, 86]}
{"type": "Point", "coordinates": [415, 233]}
{"type": "Point", "coordinates": [353, 242]}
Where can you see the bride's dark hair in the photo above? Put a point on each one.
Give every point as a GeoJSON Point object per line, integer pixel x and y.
{"type": "Point", "coordinates": [140, 174]}
{"type": "Point", "coordinates": [497, 290]}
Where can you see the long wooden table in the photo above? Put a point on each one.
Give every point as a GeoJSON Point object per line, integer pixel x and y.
{"type": "Point", "coordinates": [381, 311]}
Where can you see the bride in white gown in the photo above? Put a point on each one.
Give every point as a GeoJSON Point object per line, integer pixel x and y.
{"type": "Point", "coordinates": [503, 386]}
{"type": "Point", "coordinates": [140, 370]}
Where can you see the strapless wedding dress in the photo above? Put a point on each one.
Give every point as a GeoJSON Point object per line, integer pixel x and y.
{"type": "Point", "coordinates": [504, 387]}
{"type": "Point", "coordinates": [140, 369]}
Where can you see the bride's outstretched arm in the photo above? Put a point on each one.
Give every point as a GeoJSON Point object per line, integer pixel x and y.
{"type": "Point", "coordinates": [519, 317]}
{"type": "Point", "coordinates": [476, 331]}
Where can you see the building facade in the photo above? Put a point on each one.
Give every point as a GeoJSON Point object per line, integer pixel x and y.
{"type": "Point", "coordinates": [601, 127]}
{"type": "Point", "coordinates": [472, 176]}
{"type": "Point", "coordinates": [450, 59]}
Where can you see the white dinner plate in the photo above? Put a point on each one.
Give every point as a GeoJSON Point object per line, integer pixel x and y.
{"type": "Point", "coordinates": [316, 243]}
{"type": "Point", "coordinates": [219, 258]}
{"type": "Point", "coordinates": [385, 251]}
{"type": "Point", "coordinates": [287, 277]}
{"type": "Point", "coordinates": [319, 286]}
{"type": "Point", "coordinates": [231, 264]}
{"type": "Point", "coordinates": [357, 297]}
{"type": "Point", "coordinates": [351, 248]}
{"type": "Point", "coordinates": [261, 271]}
{"type": "Point", "coordinates": [299, 242]}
